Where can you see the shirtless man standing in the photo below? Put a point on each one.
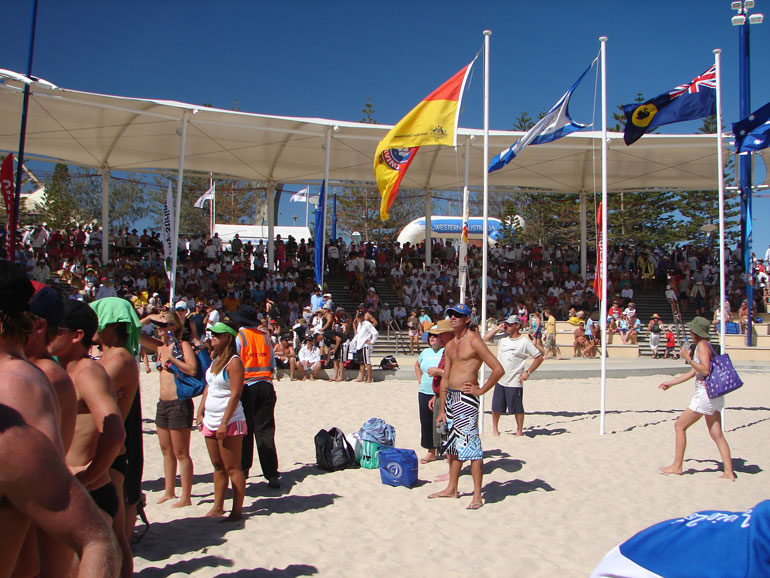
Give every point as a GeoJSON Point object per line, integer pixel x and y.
{"type": "Point", "coordinates": [99, 433]}
{"type": "Point", "coordinates": [36, 485]}
{"type": "Point", "coordinates": [459, 396]}
{"type": "Point", "coordinates": [46, 312]}
{"type": "Point", "coordinates": [118, 336]}
{"type": "Point", "coordinates": [23, 387]}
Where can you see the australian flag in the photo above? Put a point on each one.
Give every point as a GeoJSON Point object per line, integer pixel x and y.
{"type": "Point", "coordinates": [686, 102]}
{"type": "Point", "coordinates": [753, 132]}
{"type": "Point", "coordinates": [554, 125]}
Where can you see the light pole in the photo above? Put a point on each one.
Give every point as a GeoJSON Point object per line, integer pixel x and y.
{"type": "Point", "coordinates": [743, 20]}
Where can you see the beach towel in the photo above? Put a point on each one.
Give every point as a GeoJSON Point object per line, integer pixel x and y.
{"type": "Point", "coordinates": [377, 431]}
{"type": "Point", "coordinates": [117, 310]}
{"type": "Point", "coordinates": [707, 544]}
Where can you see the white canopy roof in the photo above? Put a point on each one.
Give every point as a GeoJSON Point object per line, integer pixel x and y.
{"type": "Point", "coordinates": [132, 134]}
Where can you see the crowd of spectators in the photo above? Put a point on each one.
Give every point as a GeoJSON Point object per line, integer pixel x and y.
{"type": "Point", "coordinates": [521, 278]}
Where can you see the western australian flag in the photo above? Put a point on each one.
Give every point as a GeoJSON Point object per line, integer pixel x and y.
{"type": "Point", "coordinates": [753, 132]}
{"type": "Point", "coordinates": [686, 102]}
{"type": "Point", "coordinates": [554, 125]}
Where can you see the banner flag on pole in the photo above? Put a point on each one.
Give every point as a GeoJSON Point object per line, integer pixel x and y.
{"type": "Point", "coordinates": [691, 101]}
{"type": "Point", "coordinates": [318, 235]}
{"type": "Point", "coordinates": [207, 196]}
{"type": "Point", "coordinates": [168, 232]}
{"type": "Point", "coordinates": [753, 132]}
{"type": "Point", "coordinates": [554, 125]}
{"type": "Point", "coordinates": [599, 256]}
{"type": "Point", "coordinates": [300, 196]}
{"type": "Point", "coordinates": [432, 122]}
{"type": "Point", "coordinates": [6, 181]}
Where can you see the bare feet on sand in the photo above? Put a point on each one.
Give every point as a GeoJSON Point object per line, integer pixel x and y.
{"type": "Point", "coordinates": [519, 433]}
{"type": "Point", "coordinates": [215, 512]}
{"type": "Point", "coordinates": [475, 504]}
{"type": "Point", "coordinates": [444, 494]}
{"type": "Point", "coordinates": [496, 433]}
{"type": "Point", "coordinates": [233, 517]}
{"type": "Point", "coordinates": [166, 498]}
{"type": "Point", "coordinates": [671, 470]}
{"type": "Point", "coordinates": [730, 477]}
{"type": "Point", "coordinates": [182, 503]}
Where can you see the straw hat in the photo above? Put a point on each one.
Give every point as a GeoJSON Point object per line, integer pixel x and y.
{"type": "Point", "coordinates": [442, 326]}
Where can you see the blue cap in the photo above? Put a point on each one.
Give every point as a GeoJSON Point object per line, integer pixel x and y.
{"type": "Point", "coordinates": [460, 308]}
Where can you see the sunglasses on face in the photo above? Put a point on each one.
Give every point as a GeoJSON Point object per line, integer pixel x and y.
{"type": "Point", "coordinates": [456, 314]}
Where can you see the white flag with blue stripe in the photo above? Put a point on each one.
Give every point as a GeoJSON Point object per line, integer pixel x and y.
{"type": "Point", "coordinates": [554, 125]}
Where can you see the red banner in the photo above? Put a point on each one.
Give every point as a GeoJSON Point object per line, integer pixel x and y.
{"type": "Point", "coordinates": [599, 255]}
{"type": "Point", "coordinates": [6, 183]}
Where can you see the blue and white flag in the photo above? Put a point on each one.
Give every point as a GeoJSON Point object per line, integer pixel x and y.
{"type": "Point", "coordinates": [753, 132]}
{"type": "Point", "coordinates": [318, 236]}
{"type": "Point", "coordinates": [554, 125]}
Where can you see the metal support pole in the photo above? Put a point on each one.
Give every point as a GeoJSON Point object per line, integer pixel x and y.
{"type": "Point", "coordinates": [105, 216]}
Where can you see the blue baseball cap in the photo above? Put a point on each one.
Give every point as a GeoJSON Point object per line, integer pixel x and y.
{"type": "Point", "coordinates": [460, 308]}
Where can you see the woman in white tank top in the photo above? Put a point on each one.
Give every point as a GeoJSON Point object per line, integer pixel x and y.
{"type": "Point", "coordinates": [222, 421]}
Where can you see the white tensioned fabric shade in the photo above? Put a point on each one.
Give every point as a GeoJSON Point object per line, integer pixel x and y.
{"type": "Point", "coordinates": [130, 134]}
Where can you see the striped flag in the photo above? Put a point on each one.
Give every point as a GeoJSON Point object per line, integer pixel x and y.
{"type": "Point", "coordinates": [554, 125]}
{"type": "Point", "coordinates": [432, 122]}
{"type": "Point", "coordinates": [599, 256]}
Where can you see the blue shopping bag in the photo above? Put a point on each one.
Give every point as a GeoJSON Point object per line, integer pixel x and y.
{"type": "Point", "coordinates": [398, 467]}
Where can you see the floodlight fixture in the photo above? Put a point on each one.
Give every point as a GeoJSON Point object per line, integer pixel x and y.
{"type": "Point", "coordinates": [756, 18]}
{"type": "Point", "coordinates": [738, 20]}
{"type": "Point", "coordinates": [748, 4]}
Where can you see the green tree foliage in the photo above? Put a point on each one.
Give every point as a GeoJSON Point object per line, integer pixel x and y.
{"type": "Point", "coordinates": [60, 208]}
{"type": "Point", "coordinates": [368, 111]}
{"type": "Point", "coordinates": [523, 122]}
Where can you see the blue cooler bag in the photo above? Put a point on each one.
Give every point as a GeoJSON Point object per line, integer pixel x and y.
{"type": "Point", "coordinates": [398, 467]}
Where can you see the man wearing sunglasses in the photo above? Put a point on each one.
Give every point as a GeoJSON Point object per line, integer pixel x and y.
{"type": "Point", "coordinates": [459, 395]}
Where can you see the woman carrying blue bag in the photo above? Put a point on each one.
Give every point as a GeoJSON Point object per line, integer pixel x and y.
{"type": "Point", "coordinates": [699, 361]}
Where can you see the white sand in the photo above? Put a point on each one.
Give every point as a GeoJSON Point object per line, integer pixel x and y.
{"type": "Point", "coordinates": [556, 500]}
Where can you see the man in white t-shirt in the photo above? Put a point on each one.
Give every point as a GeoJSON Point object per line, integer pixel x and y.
{"type": "Point", "coordinates": [512, 352]}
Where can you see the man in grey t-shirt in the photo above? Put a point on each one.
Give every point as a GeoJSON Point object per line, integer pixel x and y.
{"type": "Point", "coordinates": [512, 352]}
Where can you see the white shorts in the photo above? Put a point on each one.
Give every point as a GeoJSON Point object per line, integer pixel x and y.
{"type": "Point", "coordinates": [700, 402]}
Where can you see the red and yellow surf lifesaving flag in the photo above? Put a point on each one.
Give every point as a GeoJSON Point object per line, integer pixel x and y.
{"type": "Point", "coordinates": [432, 122]}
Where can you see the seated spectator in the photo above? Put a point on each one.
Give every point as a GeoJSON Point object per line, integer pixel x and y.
{"type": "Point", "coordinates": [309, 360]}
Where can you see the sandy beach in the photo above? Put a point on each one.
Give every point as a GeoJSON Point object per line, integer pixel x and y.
{"type": "Point", "coordinates": [556, 500]}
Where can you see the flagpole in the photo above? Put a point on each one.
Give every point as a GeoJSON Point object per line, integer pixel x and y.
{"type": "Point", "coordinates": [177, 217]}
{"type": "Point", "coordinates": [322, 246]}
{"type": "Point", "coordinates": [462, 265]}
{"type": "Point", "coordinates": [721, 184]}
{"type": "Point", "coordinates": [22, 138]}
{"type": "Point", "coordinates": [603, 297]}
{"type": "Point", "coordinates": [211, 205]}
{"type": "Point", "coordinates": [485, 233]}
{"type": "Point", "coordinates": [307, 203]}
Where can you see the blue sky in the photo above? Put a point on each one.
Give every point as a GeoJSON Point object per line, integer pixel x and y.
{"type": "Point", "coordinates": [324, 58]}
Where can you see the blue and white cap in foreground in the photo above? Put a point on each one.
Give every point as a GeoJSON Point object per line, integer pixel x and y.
{"type": "Point", "coordinates": [460, 308]}
{"type": "Point", "coordinates": [707, 544]}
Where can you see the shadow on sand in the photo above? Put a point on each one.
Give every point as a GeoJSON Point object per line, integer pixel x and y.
{"type": "Point", "coordinates": [494, 492]}
{"type": "Point", "coordinates": [291, 571]}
